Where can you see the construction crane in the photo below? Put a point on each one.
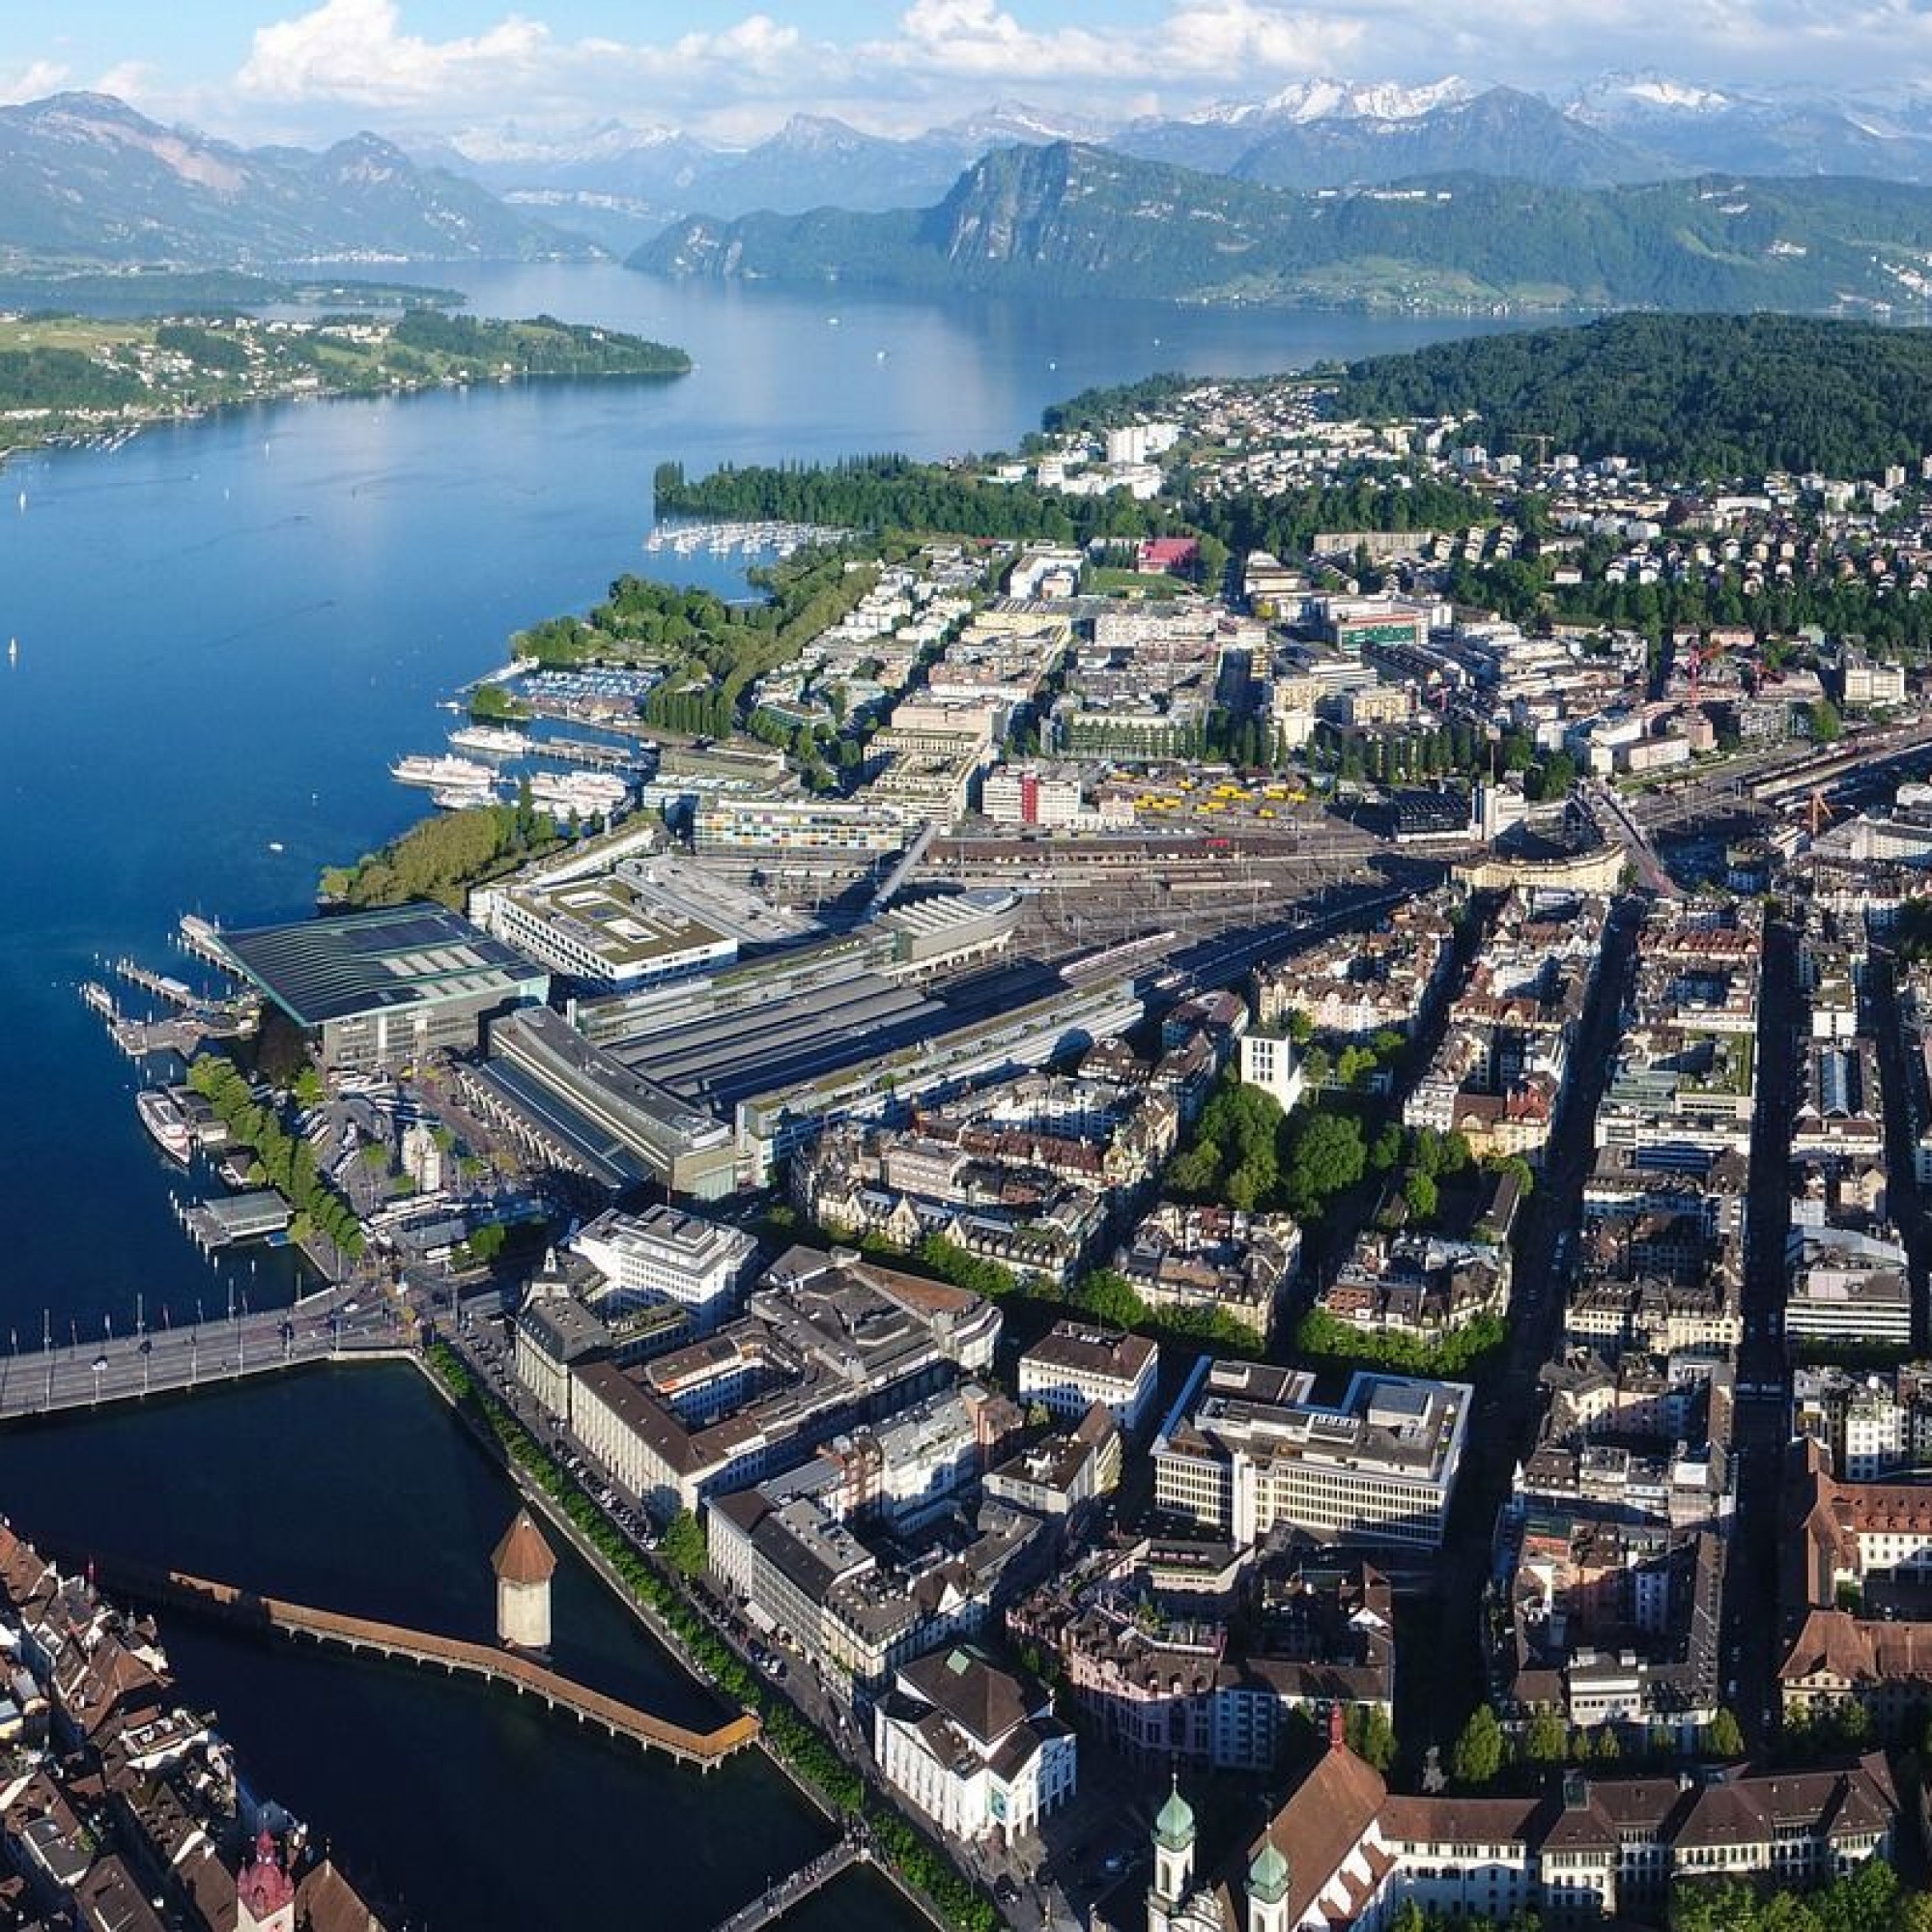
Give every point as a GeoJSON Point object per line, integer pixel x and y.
{"type": "Point", "coordinates": [1819, 811]}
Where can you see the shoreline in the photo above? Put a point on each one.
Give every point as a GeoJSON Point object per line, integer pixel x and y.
{"type": "Point", "coordinates": [533, 1492]}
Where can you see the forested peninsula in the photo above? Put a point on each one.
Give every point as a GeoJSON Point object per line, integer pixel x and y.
{"type": "Point", "coordinates": [66, 377]}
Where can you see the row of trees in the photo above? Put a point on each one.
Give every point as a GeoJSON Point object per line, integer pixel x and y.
{"type": "Point", "coordinates": [1483, 1750]}
{"type": "Point", "coordinates": [805, 1752]}
{"type": "Point", "coordinates": [284, 1160]}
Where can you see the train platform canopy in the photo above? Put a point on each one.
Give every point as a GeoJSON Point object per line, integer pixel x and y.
{"type": "Point", "coordinates": [321, 970]}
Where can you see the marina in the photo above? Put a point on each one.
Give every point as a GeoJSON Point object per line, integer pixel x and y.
{"type": "Point", "coordinates": [777, 537]}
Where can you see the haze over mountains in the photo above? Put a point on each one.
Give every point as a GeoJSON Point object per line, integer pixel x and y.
{"type": "Point", "coordinates": [621, 182]}
{"type": "Point", "coordinates": [85, 178]}
{"type": "Point", "coordinates": [1078, 220]}
{"type": "Point", "coordinates": [1635, 190]}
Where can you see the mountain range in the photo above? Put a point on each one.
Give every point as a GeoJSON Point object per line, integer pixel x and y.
{"type": "Point", "coordinates": [88, 180]}
{"type": "Point", "coordinates": [1635, 191]}
{"type": "Point", "coordinates": [622, 185]}
{"type": "Point", "coordinates": [1074, 219]}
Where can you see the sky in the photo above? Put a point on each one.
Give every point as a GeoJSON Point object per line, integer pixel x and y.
{"type": "Point", "coordinates": [256, 70]}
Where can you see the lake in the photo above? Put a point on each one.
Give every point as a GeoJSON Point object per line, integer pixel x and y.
{"type": "Point", "coordinates": [227, 631]}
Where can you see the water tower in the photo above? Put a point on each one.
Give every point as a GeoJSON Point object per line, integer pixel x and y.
{"type": "Point", "coordinates": [523, 1564]}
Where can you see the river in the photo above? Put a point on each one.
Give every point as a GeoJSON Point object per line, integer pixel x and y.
{"type": "Point", "coordinates": [226, 631]}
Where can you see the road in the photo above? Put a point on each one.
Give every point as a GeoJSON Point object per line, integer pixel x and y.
{"type": "Point", "coordinates": [1433, 1700]}
{"type": "Point", "coordinates": [1630, 832]}
{"type": "Point", "coordinates": [1751, 1631]}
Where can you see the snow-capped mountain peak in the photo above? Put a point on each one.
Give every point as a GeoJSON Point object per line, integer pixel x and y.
{"type": "Point", "coordinates": [1329, 99]}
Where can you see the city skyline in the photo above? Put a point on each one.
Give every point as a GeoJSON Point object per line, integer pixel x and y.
{"type": "Point", "coordinates": [417, 67]}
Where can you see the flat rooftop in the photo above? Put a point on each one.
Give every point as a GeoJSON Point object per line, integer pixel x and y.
{"type": "Point", "coordinates": [615, 924]}
{"type": "Point", "coordinates": [318, 970]}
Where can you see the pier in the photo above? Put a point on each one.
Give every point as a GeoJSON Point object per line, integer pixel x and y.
{"type": "Point", "coordinates": [455, 1656]}
{"type": "Point", "coordinates": [174, 991]}
{"type": "Point", "coordinates": [779, 1897]}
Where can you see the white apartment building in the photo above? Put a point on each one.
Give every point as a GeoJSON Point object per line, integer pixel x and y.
{"type": "Point", "coordinates": [667, 1255]}
{"type": "Point", "coordinates": [1269, 1062]}
{"type": "Point", "coordinates": [1245, 1449]}
{"type": "Point", "coordinates": [1076, 1364]}
{"type": "Point", "coordinates": [976, 1749]}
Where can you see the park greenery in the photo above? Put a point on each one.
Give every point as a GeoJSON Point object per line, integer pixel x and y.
{"type": "Point", "coordinates": [442, 857]}
{"type": "Point", "coordinates": [1325, 1337]}
{"type": "Point", "coordinates": [1101, 1293]}
{"type": "Point", "coordinates": [1246, 1154]}
{"type": "Point", "coordinates": [807, 1754]}
{"type": "Point", "coordinates": [285, 1161]}
{"type": "Point", "coordinates": [709, 650]}
{"type": "Point", "coordinates": [491, 704]}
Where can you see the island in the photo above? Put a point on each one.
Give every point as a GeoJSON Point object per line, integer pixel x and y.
{"type": "Point", "coordinates": [72, 378]}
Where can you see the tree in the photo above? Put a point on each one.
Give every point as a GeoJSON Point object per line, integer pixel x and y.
{"type": "Point", "coordinates": [1109, 1296]}
{"type": "Point", "coordinates": [1421, 1196]}
{"type": "Point", "coordinates": [1546, 1741]}
{"type": "Point", "coordinates": [1325, 1155]}
{"type": "Point", "coordinates": [1478, 1754]}
{"type": "Point", "coordinates": [1724, 1737]}
{"type": "Point", "coordinates": [1378, 1745]}
{"type": "Point", "coordinates": [1386, 1154]}
{"type": "Point", "coordinates": [1827, 725]}
{"type": "Point", "coordinates": [684, 1545]}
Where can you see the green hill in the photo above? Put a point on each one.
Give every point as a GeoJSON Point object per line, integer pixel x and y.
{"type": "Point", "coordinates": [1703, 395]}
{"type": "Point", "coordinates": [1076, 220]}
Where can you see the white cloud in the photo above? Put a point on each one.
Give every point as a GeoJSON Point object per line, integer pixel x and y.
{"type": "Point", "coordinates": [351, 50]}
{"type": "Point", "coordinates": [350, 60]}
{"type": "Point", "coordinates": [33, 81]}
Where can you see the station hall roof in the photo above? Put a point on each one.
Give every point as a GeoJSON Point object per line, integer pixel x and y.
{"type": "Point", "coordinates": [326, 969]}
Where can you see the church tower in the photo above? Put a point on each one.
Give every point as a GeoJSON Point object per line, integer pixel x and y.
{"type": "Point", "coordinates": [1173, 1860]}
{"type": "Point", "coordinates": [1267, 1888]}
{"type": "Point", "coordinates": [523, 1563]}
{"type": "Point", "coordinates": [264, 1893]}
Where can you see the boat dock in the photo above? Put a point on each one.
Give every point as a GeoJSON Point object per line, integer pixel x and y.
{"type": "Point", "coordinates": [181, 1033]}
{"type": "Point", "coordinates": [173, 991]}
{"type": "Point", "coordinates": [238, 1217]}
{"type": "Point", "coordinates": [202, 938]}
{"type": "Point", "coordinates": [584, 751]}
{"type": "Point", "coordinates": [176, 1589]}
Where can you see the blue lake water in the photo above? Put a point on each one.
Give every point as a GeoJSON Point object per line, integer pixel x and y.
{"type": "Point", "coordinates": [226, 631]}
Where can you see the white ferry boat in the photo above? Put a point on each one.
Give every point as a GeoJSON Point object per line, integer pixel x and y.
{"type": "Point", "coordinates": [443, 771]}
{"type": "Point", "coordinates": [161, 1114]}
{"type": "Point", "coordinates": [465, 798]}
{"type": "Point", "coordinates": [493, 741]}
{"type": "Point", "coordinates": [587, 794]}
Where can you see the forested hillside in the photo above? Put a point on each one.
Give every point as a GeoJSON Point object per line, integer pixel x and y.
{"type": "Point", "coordinates": [1689, 395]}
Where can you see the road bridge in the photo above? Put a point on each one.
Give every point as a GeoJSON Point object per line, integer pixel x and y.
{"type": "Point", "coordinates": [176, 1589]}
{"type": "Point", "coordinates": [84, 1374]}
